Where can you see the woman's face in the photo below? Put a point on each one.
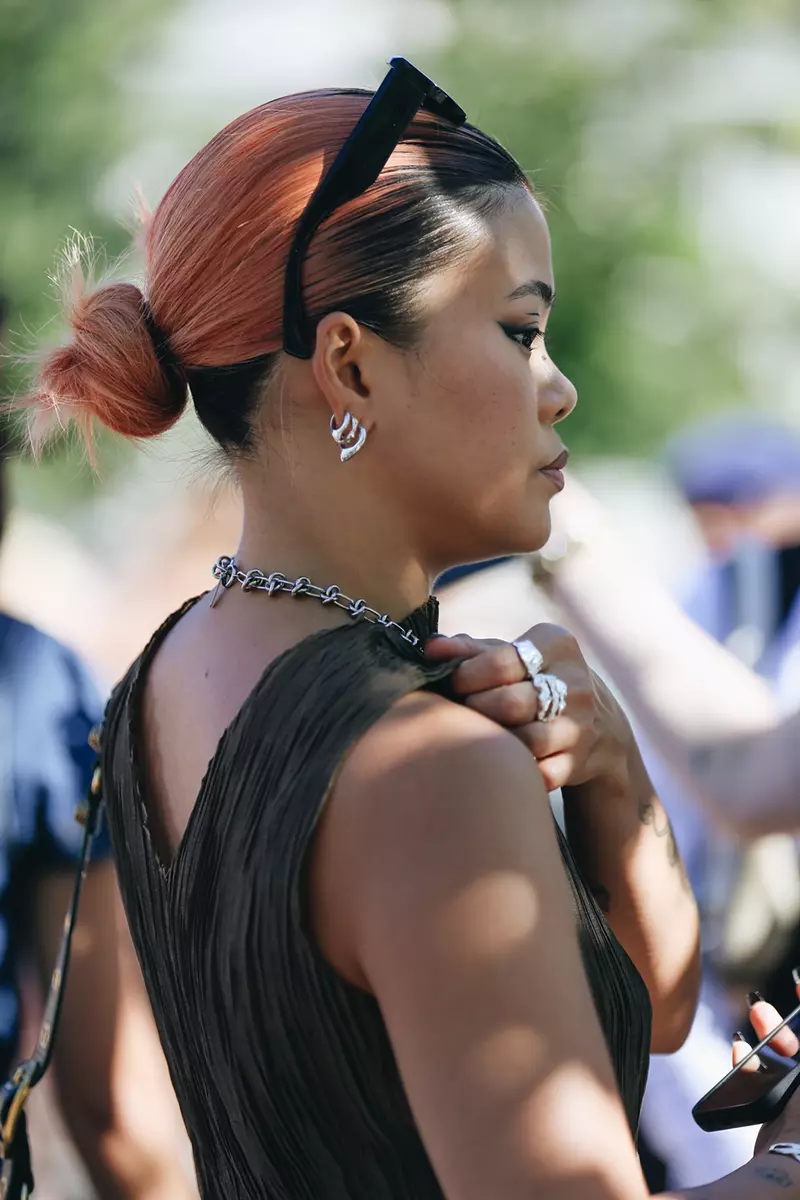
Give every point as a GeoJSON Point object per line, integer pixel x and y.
{"type": "Point", "coordinates": [466, 421]}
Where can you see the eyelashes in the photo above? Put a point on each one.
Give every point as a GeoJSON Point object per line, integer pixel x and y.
{"type": "Point", "coordinates": [524, 336]}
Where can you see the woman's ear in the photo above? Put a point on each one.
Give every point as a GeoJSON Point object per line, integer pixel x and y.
{"type": "Point", "coordinates": [340, 367]}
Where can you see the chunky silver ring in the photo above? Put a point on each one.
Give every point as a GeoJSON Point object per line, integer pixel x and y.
{"type": "Point", "coordinates": [552, 697]}
{"type": "Point", "coordinates": [532, 659]}
{"type": "Point", "coordinates": [551, 690]}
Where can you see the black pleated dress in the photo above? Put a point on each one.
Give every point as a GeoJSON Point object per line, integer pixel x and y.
{"type": "Point", "coordinates": [284, 1072]}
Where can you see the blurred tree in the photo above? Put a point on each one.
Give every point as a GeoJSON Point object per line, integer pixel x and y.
{"type": "Point", "coordinates": [63, 121]}
{"type": "Point", "coordinates": [610, 105]}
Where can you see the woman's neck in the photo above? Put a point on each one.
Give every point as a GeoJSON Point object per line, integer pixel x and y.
{"type": "Point", "coordinates": [363, 561]}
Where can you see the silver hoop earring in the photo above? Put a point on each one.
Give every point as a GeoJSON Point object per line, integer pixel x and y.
{"type": "Point", "coordinates": [350, 436]}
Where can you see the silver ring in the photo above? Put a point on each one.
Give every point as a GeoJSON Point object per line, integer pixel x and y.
{"type": "Point", "coordinates": [531, 658]}
{"type": "Point", "coordinates": [551, 690]}
{"type": "Point", "coordinates": [552, 697]}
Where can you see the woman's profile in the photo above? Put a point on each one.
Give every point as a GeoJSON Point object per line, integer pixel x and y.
{"type": "Point", "coordinates": [378, 968]}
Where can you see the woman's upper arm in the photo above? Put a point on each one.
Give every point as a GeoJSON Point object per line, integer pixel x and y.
{"type": "Point", "coordinates": [462, 927]}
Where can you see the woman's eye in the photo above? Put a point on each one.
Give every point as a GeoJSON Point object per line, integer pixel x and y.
{"type": "Point", "coordinates": [524, 337]}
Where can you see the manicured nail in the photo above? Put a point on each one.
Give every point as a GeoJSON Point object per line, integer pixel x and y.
{"type": "Point", "coordinates": [739, 1037]}
{"type": "Point", "coordinates": [754, 998]}
{"type": "Point", "coordinates": [796, 976]}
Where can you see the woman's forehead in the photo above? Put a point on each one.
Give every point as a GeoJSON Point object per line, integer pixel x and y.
{"type": "Point", "coordinates": [514, 263]}
{"type": "Point", "coordinates": [520, 254]}
{"type": "Point", "coordinates": [510, 258]}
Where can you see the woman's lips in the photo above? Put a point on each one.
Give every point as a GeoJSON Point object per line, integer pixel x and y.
{"type": "Point", "coordinates": [555, 470]}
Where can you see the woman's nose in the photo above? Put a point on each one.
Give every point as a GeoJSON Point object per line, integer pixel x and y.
{"type": "Point", "coordinates": [561, 398]}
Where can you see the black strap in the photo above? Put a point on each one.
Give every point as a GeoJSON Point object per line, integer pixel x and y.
{"type": "Point", "coordinates": [16, 1178]}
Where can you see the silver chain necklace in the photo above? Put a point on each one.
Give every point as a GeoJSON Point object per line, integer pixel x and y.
{"type": "Point", "coordinates": [227, 574]}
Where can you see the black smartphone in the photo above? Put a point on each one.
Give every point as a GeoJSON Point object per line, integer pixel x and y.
{"type": "Point", "coordinates": [755, 1096]}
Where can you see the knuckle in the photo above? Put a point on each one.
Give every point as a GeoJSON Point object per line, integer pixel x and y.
{"type": "Point", "coordinates": [556, 634]}
{"type": "Point", "coordinates": [517, 708]}
{"type": "Point", "coordinates": [506, 664]}
{"type": "Point", "coordinates": [581, 702]}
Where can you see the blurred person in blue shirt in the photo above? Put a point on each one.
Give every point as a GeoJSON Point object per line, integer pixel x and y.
{"type": "Point", "coordinates": [110, 1074]}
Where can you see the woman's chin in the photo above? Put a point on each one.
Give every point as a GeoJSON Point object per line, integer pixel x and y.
{"type": "Point", "coordinates": [528, 539]}
{"type": "Point", "coordinates": [538, 531]}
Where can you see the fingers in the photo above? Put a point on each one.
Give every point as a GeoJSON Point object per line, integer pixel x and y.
{"type": "Point", "coordinates": [560, 736]}
{"type": "Point", "coordinates": [516, 705]}
{"type": "Point", "coordinates": [495, 667]}
{"type": "Point", "coordinates": [512, 705]}
{"type": "Point", "coordinates": [502, 663]}
{"type": "Point", "coordinates": [493, 680]}
{"type": "Point", "coordinates": [764, 1018]}
{"type": "Point", "coordinates": [461, 646]}
{"type": "Point", "coordinates": [741, 1049]}
{"type": "Point", "coordinates": [559, 770]}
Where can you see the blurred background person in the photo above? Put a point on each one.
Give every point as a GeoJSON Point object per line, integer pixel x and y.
{"type": "Point", "coordinates": [718, 724]}
{"type": "Point", "coordinates": [116, 1098]}
{"type": "Point", "coordinates": [741, 477]}
{"type": "Point", "coordinates": [115, 1095]}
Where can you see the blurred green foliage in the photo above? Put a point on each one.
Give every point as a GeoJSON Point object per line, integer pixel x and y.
{"type": "Point", "coordinates": [615, 107]}
{"type": "Point", "coordinates": [64, 120]}
{"type": "Point", "coordinates": [591, 96]}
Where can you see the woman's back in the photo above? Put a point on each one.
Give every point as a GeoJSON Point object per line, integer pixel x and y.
{"type": "Point", "coordinates": [284, 1070]}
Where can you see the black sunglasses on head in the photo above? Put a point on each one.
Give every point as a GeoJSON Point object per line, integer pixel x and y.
{"type": "Point", "coordinates": [356, 167]}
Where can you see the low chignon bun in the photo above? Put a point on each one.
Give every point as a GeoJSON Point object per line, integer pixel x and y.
{"type": "Point", "coordinates": [107, 371]}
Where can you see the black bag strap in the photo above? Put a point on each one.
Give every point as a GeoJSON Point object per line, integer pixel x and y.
{"type": "Point", "coordinates": [16, 1177]}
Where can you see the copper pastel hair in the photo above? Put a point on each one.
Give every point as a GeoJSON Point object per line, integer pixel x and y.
{"type": "Point", "coordinates": [215, 253]}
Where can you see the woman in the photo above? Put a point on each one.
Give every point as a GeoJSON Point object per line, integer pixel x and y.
{"type": "Point", "coordinates": [376, 968]}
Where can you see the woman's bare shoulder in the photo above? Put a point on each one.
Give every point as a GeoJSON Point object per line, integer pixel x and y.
{"type": "Point", "coordinates": [428, 744]}
{"type": "Point", "coordinates": [432, 797]}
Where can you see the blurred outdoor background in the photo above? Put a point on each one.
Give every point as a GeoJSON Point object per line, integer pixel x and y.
{"type": "Point", "coordinates": [663, 135]}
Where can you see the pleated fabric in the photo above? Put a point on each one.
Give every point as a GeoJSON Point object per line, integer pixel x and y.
{"type": "Point", "coordinates": [284, 1071]}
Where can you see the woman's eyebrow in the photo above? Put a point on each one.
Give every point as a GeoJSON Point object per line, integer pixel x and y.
{"type": "Point", "coordinates": [534, 287]}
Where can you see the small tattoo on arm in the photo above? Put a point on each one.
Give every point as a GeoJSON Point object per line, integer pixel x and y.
{"type": "Point", "coordinates": [647, 812]}
{"type": "Point", "coordinates": [768, 1173]}
{"type": "Point", "coordinates": [647, 816]}
{"type": "Point", "coordinates": [773, 1175]}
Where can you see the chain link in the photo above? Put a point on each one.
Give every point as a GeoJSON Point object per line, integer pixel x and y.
{"type": "Point", "coordinates": [227, 574]}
